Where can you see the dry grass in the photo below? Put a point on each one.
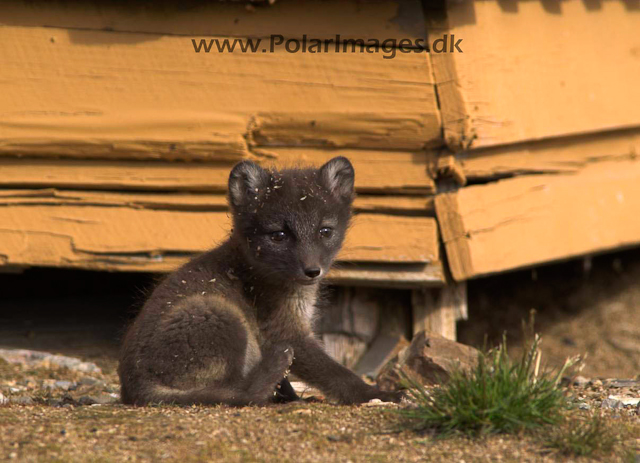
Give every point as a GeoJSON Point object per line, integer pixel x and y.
{"type": "Point", "coordinates": [296, 433]}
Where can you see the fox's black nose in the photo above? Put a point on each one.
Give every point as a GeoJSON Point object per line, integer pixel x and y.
{"type": "Point", "coordinates": [312, 272]}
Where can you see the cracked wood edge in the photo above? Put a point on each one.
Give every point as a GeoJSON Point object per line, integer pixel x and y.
{"type": "Point", "coordinates": [404, 172]}
{"type": "Point", "coordinates": [62, 235]}
{"type": "Point", "coordinates": [455, 120]}
{"type": "Point", "coordinates": [411, 205]}
{"type": "Point", "coordinates": [453, 236]}
{"type": "Point", "coordinates": [559, 155]}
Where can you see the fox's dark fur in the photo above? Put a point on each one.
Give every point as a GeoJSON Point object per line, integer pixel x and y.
{"type": "Point", "coordinates": [227, 326]}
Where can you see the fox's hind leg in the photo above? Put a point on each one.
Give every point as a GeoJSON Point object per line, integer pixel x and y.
{"type": "Point", "coordinates": [201, 351]}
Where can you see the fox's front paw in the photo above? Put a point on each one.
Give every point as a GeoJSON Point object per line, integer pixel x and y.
{"type": "Point", "coordinates": [385, 396]}
{"type": "Point", "coordinates": [392, 396]}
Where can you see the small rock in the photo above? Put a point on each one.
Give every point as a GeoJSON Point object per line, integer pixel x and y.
{"type": "Point", "coordinates": [64, 385]}
{"type": "Point", "coordinates": [89, 381]}
{"type": "Point", "coordinates": [100, 399]}
{"type": "Point", "coordinates": [34, 358]}
{"type": "Point", "coordinates": [66, 399]}
{"type": "Point", "coordinates": [617, 402]}
{"type": "Point", "coordinates": [611, 403]}
{"type": "Point", "coordinates": [596, 383]}
{"type": "Point", "coordinates": [429, 356]}
{"type": "Point", "coordinates": [584, 406]}
{"type": "Point", "coordinates": [23, 400]}
{"type": "Point", "coordinates": [624, 383]}
{"type": "Point", "coordinates": [87, 400]}
{"type": "Point", "coordinates": [580, 381]}
{"type": "Point", "coordinates": [378, 403]}
{"type": "Point", "coordinates": [627, 401]}
{"type": "Point", "coordinates": [3, 399]}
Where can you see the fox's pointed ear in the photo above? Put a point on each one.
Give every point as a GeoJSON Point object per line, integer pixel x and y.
{"type": "Point", "coordinates": [246, 180]}
{"type": "Point", "coordinates": [339, 177]}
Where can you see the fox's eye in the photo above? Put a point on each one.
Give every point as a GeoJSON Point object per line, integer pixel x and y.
{"type": "Point", "coordinates": [278, 236]}
{"type": "Point", "coordinates": [326, 232]}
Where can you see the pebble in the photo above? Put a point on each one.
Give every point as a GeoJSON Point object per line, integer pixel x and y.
{"type": "Point", "coordinates": [625, 383]}
{"type": "Point", "coordinates": [22, 400]}
{"type": "Point", "coordinates": [64, 385]}
{"type": "Point", "coordinates": [627, 401]}
{"type": "Point", "coordinates": [100, 399]}
{"type": "Point", "coordinates": [584, 406]}
{"type": "Point", "coordinates": [33, 358]}
{"type": "Point", "coordinates": [580, 381]}
{"type": "Point", "coordinates": [89, 381]}
{"type": "Point", "coordinates": [377, 403]}
{"type": "Point", "coordinates": [618, 402]}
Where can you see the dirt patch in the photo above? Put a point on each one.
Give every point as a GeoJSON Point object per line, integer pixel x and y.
{"type": "Point", "coordinates": [590, 307]}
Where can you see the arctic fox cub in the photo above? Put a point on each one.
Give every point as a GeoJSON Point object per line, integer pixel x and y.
{"type": "Point", "coordinates": [229, 325]}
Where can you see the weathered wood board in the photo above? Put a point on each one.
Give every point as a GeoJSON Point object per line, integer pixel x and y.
{"type": "Point", "coordinates": [561, 155]}
{"type": "Point", "coordinates": [376, 171]}
{"type": "Point", "coordinates": [532, 219]}
{"type": "Point", "coordinates": [532, 70]}
{"type": "Point", "coordinates": [324, 19]}
{"type": "Point", "coordinates": [124, 238]}
{"type": "Point", "coordinates": [408, 205]}
{"type": "Point", "coordinates": [384, 275]}
{"type": "Point", "coordinates": [111, 88]}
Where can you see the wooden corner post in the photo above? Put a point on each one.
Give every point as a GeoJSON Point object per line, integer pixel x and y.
{"type": "Point", "coordinates": [438, 310]}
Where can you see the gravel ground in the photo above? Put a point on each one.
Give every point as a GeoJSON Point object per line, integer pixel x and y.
{"type": "Point", "coordinates": [54, 413]}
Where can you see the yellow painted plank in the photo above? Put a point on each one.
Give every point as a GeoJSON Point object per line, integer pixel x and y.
{"type": "Point", "coordinates": [416, 205]}
{"type": "Point", "coordinates": [101, 94]}
{"type": "Point", "coordinates": [537, 70]}
{"type": "Point", "coordinates": [375, 171]}
{"type": "Point", "coordinates": [87, 236]}
{"type": "Point", "coordinates": [528, 220]}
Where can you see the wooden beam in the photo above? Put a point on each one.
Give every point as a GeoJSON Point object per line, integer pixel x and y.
{"type": "Point", "coordinates": [390, 204]}
{"type": "Point", "coordinates": [376, 172]}
{"type": "Point", "coordinates": [529, 220]}
{"type": "Point", "coordinates": [116, 237]}
{"type": "Point", "coordinates": [148, 96]}
{"type": "Point", "coordinates": [567, 87]}
{"type": "Point", "coordinates": [438, 310]}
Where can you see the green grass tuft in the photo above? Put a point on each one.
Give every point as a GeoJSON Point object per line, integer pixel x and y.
{"type": "Point", "coordinates": [499, 396]}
